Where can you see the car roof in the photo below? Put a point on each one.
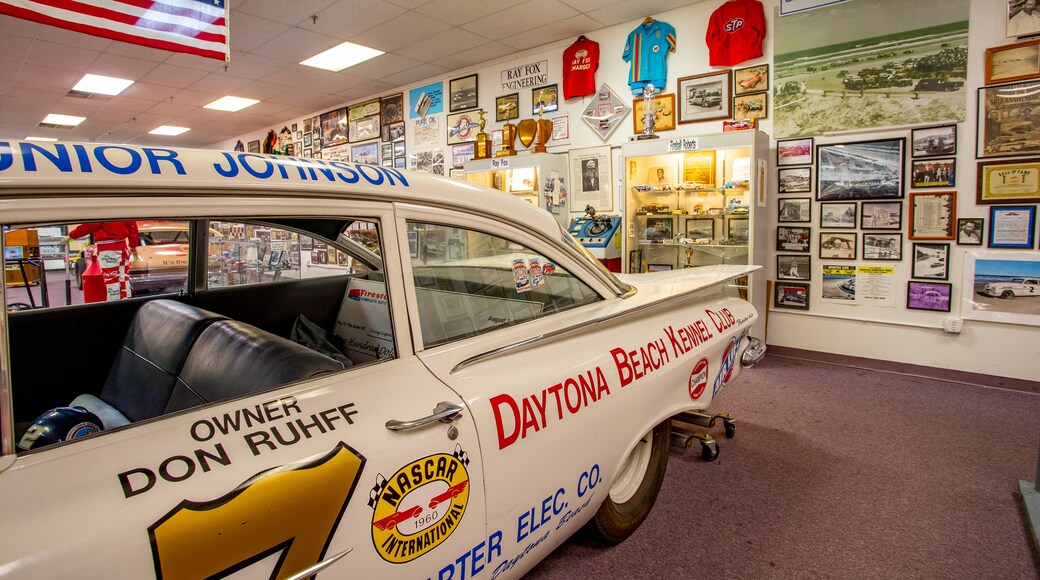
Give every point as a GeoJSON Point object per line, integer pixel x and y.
{"type": "Point", "coordinates": [33, 169]}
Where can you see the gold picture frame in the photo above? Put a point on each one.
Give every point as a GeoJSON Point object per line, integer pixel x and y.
{"type": "Point", "coordinates": [664, 113]}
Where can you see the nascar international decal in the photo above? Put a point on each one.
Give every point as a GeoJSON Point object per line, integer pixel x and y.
{"type": "Point", "coordinates": [292, 509]}
{"type": "Point", "coordinates": [419, 507]}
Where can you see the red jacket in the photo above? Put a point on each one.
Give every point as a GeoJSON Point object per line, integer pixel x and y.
{"type": "Point", "coordinates": [735, 32]}
{"type": "Point", "coordinates": [108, 231]}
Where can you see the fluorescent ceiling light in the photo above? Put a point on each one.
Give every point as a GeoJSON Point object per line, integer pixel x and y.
{"type": "Point", "coordinates": [168, 130]}
{"type": "Point", "coordinates": [102, 85]}
{"type": "Point", "coordinates": [40, 139]}
{"type": "Point", "coordinates": [342, 56]}
{"type": "Point", "coordinates": [231, 104]}
{"type": "Point", "coordinates": [69, 120]}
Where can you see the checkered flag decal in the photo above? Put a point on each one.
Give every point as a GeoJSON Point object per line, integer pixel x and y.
{"type": "Point", "coordinates": [461, 455]}
{"type": "Point", "coordinates": [377, 489]}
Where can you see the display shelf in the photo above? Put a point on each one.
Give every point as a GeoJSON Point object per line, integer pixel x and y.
{"type": "Point", "coordinates": [537, 178]}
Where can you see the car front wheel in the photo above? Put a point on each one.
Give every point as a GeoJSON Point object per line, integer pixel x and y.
{"type": "Point", "coordinates": [1007, 294]}
{"type": "Point", "coordinates": [634, 490]}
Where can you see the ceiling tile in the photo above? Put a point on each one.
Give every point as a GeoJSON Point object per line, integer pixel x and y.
{"type": "Point", "coordinates": [171, 109]}
{"type": "Point", "coordinates": [295, 44]}
{"type": "Point", "coordinates": [618, 13]}
{"type": "Point", "coordinates": [248, 31]}
{"type": "Point", "coordinates": [346, 18]}
{"type": "Point", "coordinates": [589, 5]}
{"type": "Point", "coordinates": [17, 27]}
{"type": "Point", "coordinates": [43, 76]}
{"type": "Point", "coordinates": [149, 91]}
{"type": "Point", "coordinates": [265, 91]}
{"type": "Point", "coordinates": [124, 67]}
{"type": "Point", "coordinates": [463, 11]}
{"type": "Point", "coordinates": [297, 75]}
{"type": "Point", "coordinates": [443, 44]}
{"type": "Point", "coordinates": [136, 51]}
{"type": "Point", "coordinates": [194, 61]}
{"type": "Point", "coordinates": [299, 96]}
{"type": "Point", "coordinates": [335, 83]}
{"type": "Point", "coordinates": [223, 83]}
{"type": "Point", "coordinates": [414, 75]}
{"type": "Point", "coordinates": [16, 48]}
{"type": "Point", "coordinates": [292, 12]}
{"type": "Point", "coordinates": [521, 17]}
{"type": "Point", "coordinates": [368, 89]}
{"type": "Point", "coordinates": [382, 66]}
{"type": "Point", "coordinates": [173, 76]}
{"type": "Point", "coordinates": [195, 98]}
{"type": "Point", "coordinates": [474, 56]}
{"type": "Point", "coordinates": [59, 56]}
{"type": "Point", "coordinates": [410, 28]}
{"type": "Point", "coordinates": [409, 4]}
{"type": "Point", "coordinates": [254, 66]}
{"type": "Point", "coordinates": [548, 34]}
{"type": "Point", "coordinates": [9, 70]}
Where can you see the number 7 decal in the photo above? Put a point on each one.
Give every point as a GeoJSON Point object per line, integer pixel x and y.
{"type": "Point", "coordinates": [293, 509]}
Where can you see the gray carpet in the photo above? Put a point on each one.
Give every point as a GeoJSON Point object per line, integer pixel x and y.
{"type": "Point", "coordinates": [839, 473]}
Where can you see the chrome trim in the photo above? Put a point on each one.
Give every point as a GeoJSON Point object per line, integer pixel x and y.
{"type": "Point", "coordinates": [753, 353]}
{"type": "Point", "coordinates": [444, 412]}
{"type": "Point", "coordinates": [319, 566]}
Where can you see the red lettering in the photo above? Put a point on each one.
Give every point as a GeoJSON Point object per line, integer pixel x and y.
{"type": "Point", "coordinates": [496, 404]}
{"type": "Point", "coordinates": [624, 368]}
{"type": "Point", "coordinates": [530, 421]}
{"type": "Point", "coordinates": [555, 390]}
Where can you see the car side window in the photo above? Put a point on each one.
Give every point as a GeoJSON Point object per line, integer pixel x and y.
{"type": "Point", "coordinates": [468, 282]}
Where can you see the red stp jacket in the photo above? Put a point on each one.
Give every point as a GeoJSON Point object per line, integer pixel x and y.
{"type": "Point", "coordinates": [735, 32]}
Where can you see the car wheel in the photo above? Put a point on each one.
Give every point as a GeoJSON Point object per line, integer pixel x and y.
{"type": "Point", "coordinates": [634, 490]}
{"type": "Point", "coordinates": [1007, 294]}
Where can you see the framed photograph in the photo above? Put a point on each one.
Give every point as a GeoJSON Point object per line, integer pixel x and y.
{"type": "Point", "coordinates": [793, 239]}
{"type": "Point", "coordinates": [970, 231]}
{"type": "Point", "coordinates": [752, 106]}
{"type": "Point", "coordinates": [299, 134]}
{"type": "Point", "coordinates": [658, 267]}
{"type": "Point", "coordinates": [308, 152]}
{"type": "Point", "coordinates": [334, 127]}
{"type": "Point", "coordinates": [635, 261]}
{"type": "Point", "coordinates": [386, 161]}
{"type": "Point", "coordinates": [839, 214]}
{"type": "Point", "coordinates": [1016, 181]}
{"type": "Point", "coordinates": [463, 127]}
{"type": "Point", "coordinates": [664, 113]}
{"type": "Point", "coordinates": [364, 128]}
{"type": "Point", "coordinates": [386, 151]}
{"type": "Point", "coordinates": [507, 107]}
{"type": "Point", "coordinates": [397, 132]}
{"type": "Point", "coordinates": [931, 261]}
{"type": "Point", "coordinates": [398, 148]}
{"type": "Point", "coordinates": [933, 141]}
{"type": "Point", "coordinates": [1013, 62]}
{"type": "Point", "coordinates": [791, 295]}
{"type": "Point", "coordinates": [793, 267]}
{"type": "Point", "coordinates": [861, 170]}
{"type": "Point", "coordinates": [704, 97]}
{"type": "Point", "coordinates": [752, 79]}
{"type": "Point", "coordinates": [882, 246]}
{"type": "Point", "coordinates": [737, 230]}
{"type": "Point", "coordinates": [794, 151]}
{"type": "Point", "coordinates": [462, 93]}
{"type": "Point", "coordinates": [462, 153]}
{"type": "Point", "coordinates": [698, 169]}
{"type": "Point", "coordinates": [881, 215]}
{"type": "Point", "coordinates": [545, 99]}
{"type": "Point", "coordinates": [1023, 18]}
{"type": "Point", "coordinates": [838, 245]}
{"type": "Point", "coordinates": [365, 153]}
{"type": "Point", "coordinates": [306, 139]}
{"type": "Point", "coordinates": [253, 146]}
{"type": "Point", "coordinates": [794, 179]}
{"type": "Point", "coordinates": [391, 109]}
{"type": "Point", "coordinates": [793, 210]}
{"type": "Point", "coordinates": [928, 296]}
{"type": "Point", "coordinates": [994, 283]}
{"type": "Point", "coordinates": [700, 229]}
{"type": "Point", "coordinates": [400, 162]}
{"type": "Point", "coordinates": [932, 173]}
{"type": "Point", "coordinates": [590, 179]}
{"type": "Point", "coordinates": [1012, 226]}
{"type": "Point", "coordinates": [1005, 120]}
{"type": "Point", "coordinates": [933, 215]}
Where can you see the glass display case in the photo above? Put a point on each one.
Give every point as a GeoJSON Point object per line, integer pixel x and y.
{"type": "Point", "coordinates": [537, 178]}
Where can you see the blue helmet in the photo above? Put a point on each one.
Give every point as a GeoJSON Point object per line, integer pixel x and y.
{"type": "Point", "coordinates": [60, 424]}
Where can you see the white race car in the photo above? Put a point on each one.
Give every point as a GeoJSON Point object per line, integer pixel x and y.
{"type": "Point", "coordinates": [1012, 288]}
{"type": "Point", "coordinates": [368, 373]}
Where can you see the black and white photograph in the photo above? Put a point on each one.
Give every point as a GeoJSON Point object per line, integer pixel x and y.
{"type": "Point", "coordinates": [970, 231]}
{"type": "Point", "coordinates": [793, 239]}
{"type": "Point", "coordinates": [1005, 120]}
{"type": "Point", "coordinates": [794, 179]}
{"type": "Point", "coordinates": [1023, 18]}
{"type": "Point", "coordinates": [794, 210]}
{"type": "Point", "coordinates": [791, 295]}
{"type": "Point", "coordinates": [881, 215]}
{"type": "Point", "coordinates": [793, 267]}
{"type": "Point", "coordinates": [397, 132]}
{"type": "Point", "coordinates": [934, 141]}
{"type": "Point", "coordinates": [931, 261]}
{"type": "Point", "coordinates": [862, 170]}
{"type": "Point", "coordinates": [391, 109]}
{"type": "Point", "coordinates": [462, 93]}
{"type": "Point", "coordinates": [838, 245]}
{"type": "Point", "coordinates": [794, 151]}
{"type": "Point", "coordinates": [704, 97]}
{"type": "Point", "coordinates": [882, 246]}
{"type": "Point", "coordinates": [838, 215]}
{"type": "Point", "coordinates": [700, 230]}
{"type": "Point", "coordinates": [737, 230]}
{"type": "Point", "coordinates": [590, 175]}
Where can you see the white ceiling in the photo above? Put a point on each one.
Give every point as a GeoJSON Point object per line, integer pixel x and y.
{"type": "Point", "coordinates": [422, 38]}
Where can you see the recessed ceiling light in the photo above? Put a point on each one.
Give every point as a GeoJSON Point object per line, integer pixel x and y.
{"type": "Point", "coordinates": [101, 84]}
{"type": "Point", "coordinates": [342, 56]}
{"type": "Point", "coordinates": [40, 139]}
{"type": "Point", "coordinates": [168, 130]}
{"type": "Point", "coordinates": [69, 120]}
{"type": "Point", "coordinates": [231, 104]}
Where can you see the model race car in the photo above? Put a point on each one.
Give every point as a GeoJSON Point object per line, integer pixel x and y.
{"type": "Point", "coordinates": [386, 374]}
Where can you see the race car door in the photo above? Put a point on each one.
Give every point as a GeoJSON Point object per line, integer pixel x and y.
{"type": "Point", "coordinates": [351, 472]}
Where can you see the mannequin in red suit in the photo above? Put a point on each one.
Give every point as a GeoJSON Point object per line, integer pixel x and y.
{"type": "Point", "coordinates": [108, 277]}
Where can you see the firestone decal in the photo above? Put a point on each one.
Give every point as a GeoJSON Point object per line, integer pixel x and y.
{"type": "Point", "coordinates": [420, 506]}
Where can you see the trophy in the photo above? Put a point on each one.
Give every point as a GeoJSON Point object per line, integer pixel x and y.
{"type": "Point", "coordinates": [526, 130]}
{"type": "Point", "coordinates": [649, 118]}
{"type": "Point", "coordinates": [508, 137]}
{"type": "Point", "coordinates": [545, 128]}
{"type": "Point", "coordinates": [483, 147]}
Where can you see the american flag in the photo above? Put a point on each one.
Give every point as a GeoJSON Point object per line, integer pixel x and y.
{"type": "Point", "coordinates": [193, 26]}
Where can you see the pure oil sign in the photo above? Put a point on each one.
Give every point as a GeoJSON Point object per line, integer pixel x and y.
{"type": "Point", "coordinates": [526, 76]}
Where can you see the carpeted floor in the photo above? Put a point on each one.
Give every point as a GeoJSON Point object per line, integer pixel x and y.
{"type": "Point", "coordinates": [839, 473]}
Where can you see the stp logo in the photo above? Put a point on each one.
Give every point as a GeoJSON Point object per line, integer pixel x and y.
{"type": "Point", "coordinates": [698, 379]}
{"type": "Point", "coordinates": [734, 25]}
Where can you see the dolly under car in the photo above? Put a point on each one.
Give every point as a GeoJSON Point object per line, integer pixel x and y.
{"type": "Point", "coordinates": [355, 378]}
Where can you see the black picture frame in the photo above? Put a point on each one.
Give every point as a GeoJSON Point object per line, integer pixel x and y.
{"type": "Point", "coordinates": [791, 295]}
{"type": "Point", "coordinates": [794, 210]}
{"type": "Point", "coordinates": [549, 96]}
{"type": "Point", "coordinates": [933, 172]}
{"type": "Point", "coordinates": [793, 267]}
{"type": "Point", "coordinates": [794, 151]}
{"type": "Point", "coordinates": [938, 141]}
{"type": "Point", "coordinates": [882, 247]}
{"type": "Point", "coordinates": [699, 225]}
{"type": "Point", "coordinates": [507, 107]}
{"type": "Point", "coordinates": [975, 235]}
{"type": "Point", "coordinates": [793, 239]}
{"type": "Point", "coordinates": [835, 214]}
{"type": "Point", "coordinates": [462, 93]}
{"type": "Point", "coordinates": [930, 261]}
{"type": "Point", "coordinates": [878, 215]}
{"type": "Point", "coordinates": [861, 170]}
{"type": "Point", "coordinates": [838, 245]}
{"type": "Point", "coordinates": [934, 296]}
{"type": "Point", "coordinates": [794, 179]}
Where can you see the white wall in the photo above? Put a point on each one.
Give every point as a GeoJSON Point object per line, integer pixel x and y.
{"type": "Point", "coordinates": [894, 334]}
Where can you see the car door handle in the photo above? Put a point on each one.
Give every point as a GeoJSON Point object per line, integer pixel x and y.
{"type": "Point", "coordinates": [444, 412]}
